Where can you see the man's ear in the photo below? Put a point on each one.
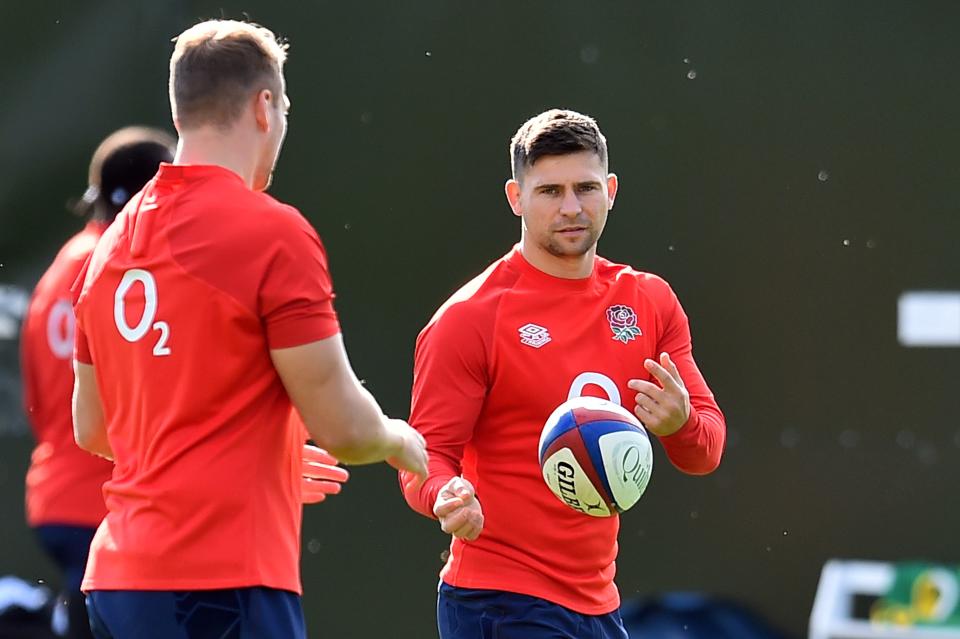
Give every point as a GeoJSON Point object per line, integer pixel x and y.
{"type": "Point", "coordinates": [612, 185]}
{"type": "Point", "coordinates": [262, 104]}
{"type": "Point", "coordinates": [512, 190]}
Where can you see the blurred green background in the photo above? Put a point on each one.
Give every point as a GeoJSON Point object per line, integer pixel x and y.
{"type": "Point", "coordinates": [789, 167]}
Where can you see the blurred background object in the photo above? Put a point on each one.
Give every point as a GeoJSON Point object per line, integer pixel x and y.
{"type": "Point", "coordinates": [879, 600]}
{"type": "Point", "coordinates": [29, 611]}
{"type": "Point", "coordinates": [681, 615]}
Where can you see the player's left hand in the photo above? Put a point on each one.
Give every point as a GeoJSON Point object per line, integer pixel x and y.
{"type": "Point", "coordinates": [665, 408]}
{"type": "Point", "coordinates": [320, 475]}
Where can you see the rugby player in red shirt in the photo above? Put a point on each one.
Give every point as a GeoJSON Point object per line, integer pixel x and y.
{"type": "Point", "coordinates": [63, 485]}
{"type": "Point", "coordinates": [205, 317]}
{"type": "Point", "coordinates": [548, 321]}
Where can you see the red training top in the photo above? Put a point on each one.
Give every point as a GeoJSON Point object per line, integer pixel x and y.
{"type": "Point", "coordinates": [184, 297]}
{"type": "Point", "coordinates": [497, 358]}
{"type": "Point", "coordinates": [64, 482]}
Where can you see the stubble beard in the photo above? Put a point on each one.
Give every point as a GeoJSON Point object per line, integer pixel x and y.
{"type": "Point", "coordinates": [558, 248]}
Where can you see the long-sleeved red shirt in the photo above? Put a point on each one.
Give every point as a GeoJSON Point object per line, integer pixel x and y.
{"type": "Point", "coordinates": [497, 358]}
{"type": "Point", "coordinates": [64, 483]}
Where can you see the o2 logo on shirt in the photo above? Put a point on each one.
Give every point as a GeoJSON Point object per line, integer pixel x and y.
{"type": "Point", "coordinates": [146, 323]}
{"type": "Point", "coordinates": [597, 379]}
{"type": "Point", "coordinates": [60, 329]}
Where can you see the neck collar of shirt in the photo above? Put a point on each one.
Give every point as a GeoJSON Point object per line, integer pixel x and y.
{"type": "Point", "coordinates": [187, 172]}
{"type": "Point", "coordinates": [516, 259]}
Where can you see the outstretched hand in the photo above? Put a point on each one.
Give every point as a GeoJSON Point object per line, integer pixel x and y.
{"type": "Point", "coordinates": [665, 408]}
{"type": "Point", "coordinates": [320, 475]}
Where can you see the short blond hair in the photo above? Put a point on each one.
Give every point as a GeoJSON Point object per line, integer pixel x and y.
{"type": "Point", "coordinates": [215, 67]}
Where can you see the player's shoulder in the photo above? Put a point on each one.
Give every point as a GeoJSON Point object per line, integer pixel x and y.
{"type": "Point", "coordinates": [476, 302]}
{"type": "Point", "coordinates": [79, 247]}
{"type": "Point", "coordinates": [96, 262]}
{"type": "Point", "coordinates": [267, 214]}
{"type": "Point", "coordinates": [290, 220]}
{"type": "Point", "coordinates": [109, 238]}
{"type": "Point", "coordinates": [625, 275]}
{"type": "Point", "coordinates": [63, 270]}
{"type": "Point", "coordinates": [259, 220]}
{"type": "Point", "coordinates": [71, 256]}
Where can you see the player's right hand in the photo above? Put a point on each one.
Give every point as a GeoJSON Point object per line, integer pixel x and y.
{"type": "Point", "coordinates": [411, 448]}
{"type": "Point", "coordinates": [458, 509]}
{"type": "Point", "coordinates": [320, 475]}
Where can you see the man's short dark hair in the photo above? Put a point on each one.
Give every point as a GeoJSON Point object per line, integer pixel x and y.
{"type": "Point", "coordinates": [123, 162]}
{"type": "Point", "coordinates": [555, 132]}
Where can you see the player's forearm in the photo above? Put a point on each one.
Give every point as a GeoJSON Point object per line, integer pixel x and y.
{"type": "Point", "coordinates": [96, 445]}
{"type": "Point", "coordinates": [422, 497]}
{"type": "Point", "coordinates": [353, 428]}
{"type": "Point", "coordinates": [90, 431]}
{"type": "Point", "coordinates": [697, 447]}
{"type": "Point", "coordinates": [339, 413]}
{"type": "Point", "coordinates": [89, 423]}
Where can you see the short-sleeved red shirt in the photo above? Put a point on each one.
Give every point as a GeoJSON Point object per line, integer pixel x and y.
{"type": "Point", "coordinates": [184, 297]}
{"type": "Point", "coordinates": [64, 482]}
{"type": "Point", "coordinates": [494, 362]}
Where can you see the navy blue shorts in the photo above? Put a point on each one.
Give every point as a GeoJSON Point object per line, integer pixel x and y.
{"type": "Point", "coordinates": [463, 613]}
{"type": "Point", "coordinates": [247, 613]}
{"type": "Point", "coordinates": [68, 546]}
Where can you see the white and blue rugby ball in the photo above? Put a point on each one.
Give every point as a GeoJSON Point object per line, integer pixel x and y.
{"type": "Point", "coordinates": [595, 456]}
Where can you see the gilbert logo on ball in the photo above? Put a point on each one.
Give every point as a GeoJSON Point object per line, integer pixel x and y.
{"type": "Point", "coordinates": [595, 456]}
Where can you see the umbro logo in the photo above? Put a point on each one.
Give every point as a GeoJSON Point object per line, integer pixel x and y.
{"type": "Point", "coordinates": [533, 335]}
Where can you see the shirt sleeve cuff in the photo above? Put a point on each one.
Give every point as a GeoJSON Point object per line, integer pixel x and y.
{"type": "Point", "coordinates": [685, 432]}
{"type": "Point", "coordinates": [423, 498]}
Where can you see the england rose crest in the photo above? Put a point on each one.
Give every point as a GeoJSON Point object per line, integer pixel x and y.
{"type": "Point", "coordinates": [623, 323]}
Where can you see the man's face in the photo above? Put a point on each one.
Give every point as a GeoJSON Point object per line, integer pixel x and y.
{"type": "Point", "coordinates": [563, 200]}
{"type": "Point", "coordinates": [277, 116]}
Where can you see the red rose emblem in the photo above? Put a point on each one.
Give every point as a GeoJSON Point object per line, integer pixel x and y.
{"type": "Point", "coordinates": [623, 323]}
{"type": "Point", "coordinates": [621, 316]}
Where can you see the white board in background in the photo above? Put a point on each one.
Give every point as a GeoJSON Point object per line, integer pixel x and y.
{"type": "Point", "coordinates": [929, 318]}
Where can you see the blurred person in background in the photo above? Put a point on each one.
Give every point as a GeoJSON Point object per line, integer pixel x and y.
{"type": "Point", "coordinates": [204, 317]}
{"type": "Point", "coordinates": [64, 502]}
{"type": "Point", "coordinates": [548, 321]}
